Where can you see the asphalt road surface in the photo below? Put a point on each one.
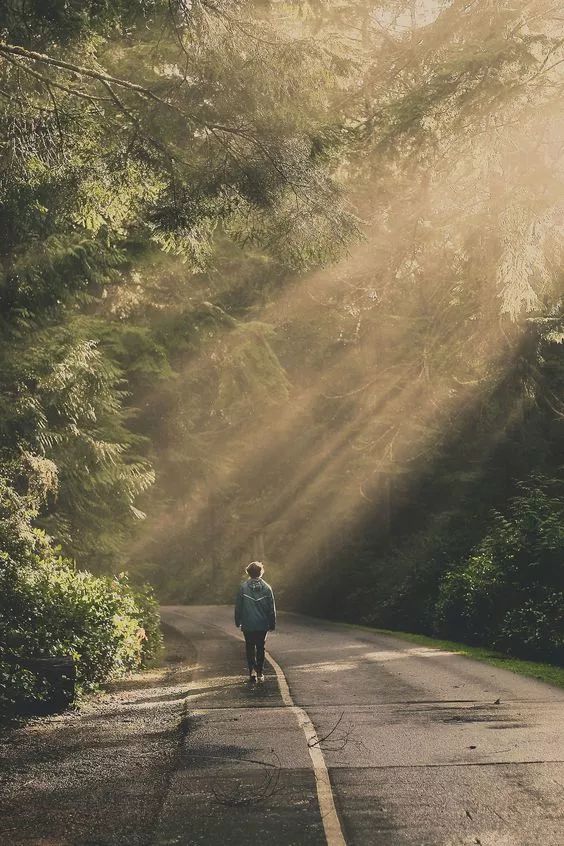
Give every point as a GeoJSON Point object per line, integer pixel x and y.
{"type": "Point", "coordinates": [421, 747]}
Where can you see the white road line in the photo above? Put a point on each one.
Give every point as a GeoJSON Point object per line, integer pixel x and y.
{"type": "Point", "coordinates": [332, 826]}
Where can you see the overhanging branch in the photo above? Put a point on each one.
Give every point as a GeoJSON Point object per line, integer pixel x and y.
{"type": "Point", "coordinates": [80, 70]}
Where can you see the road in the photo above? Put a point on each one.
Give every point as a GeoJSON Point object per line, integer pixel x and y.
{"type": "Point", "coordinates": [422, 747]}
{"type": "Point", "coordinates": [354, 739]}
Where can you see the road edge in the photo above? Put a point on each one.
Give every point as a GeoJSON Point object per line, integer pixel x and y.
{"type": "Point", "coordinates": [550, 674]}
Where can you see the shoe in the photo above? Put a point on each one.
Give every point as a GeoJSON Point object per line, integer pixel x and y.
{"type": "Point", "coordinates": [253, 677]}
{"type": "Point", "coordinates": [260, 678]}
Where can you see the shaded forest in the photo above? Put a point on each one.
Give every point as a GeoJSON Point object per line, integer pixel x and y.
{"type": "Point", "coordinates": [280, 280]}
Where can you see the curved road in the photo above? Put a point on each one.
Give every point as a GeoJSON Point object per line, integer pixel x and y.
{"type": "Point", "coordinates": [423, 747]}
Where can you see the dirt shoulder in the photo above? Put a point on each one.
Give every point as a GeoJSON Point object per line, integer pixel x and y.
{"type": "Point", "coordinates": [98, 775]}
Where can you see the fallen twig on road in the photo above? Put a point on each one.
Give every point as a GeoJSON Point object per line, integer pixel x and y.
{"type": "Point", "coordinates": [242, 795]}
{"type": "Point", "coordinates": [337, 743]}
{"type": "Point", "coordinates": [320, 740]}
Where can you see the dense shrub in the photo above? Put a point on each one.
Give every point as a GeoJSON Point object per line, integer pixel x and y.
{"type": "Point", "coordinates": [48, 608]}
{"type": "Point", "coordinates": [509, 592]}
{"type": "Point", "coordinates": [399, 589]}
{"type": "Point", "coordinates": [535, 630]}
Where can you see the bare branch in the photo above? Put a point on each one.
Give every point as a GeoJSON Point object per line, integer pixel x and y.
{"type": "Point", "coordinates": [320, 740]}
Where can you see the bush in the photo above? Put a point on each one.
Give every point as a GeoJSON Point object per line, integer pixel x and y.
{"type": "Point", "coordinates": [400, 589]}
{"type": "Point", "coordinates": [49, 608]}
{"type": "Point", "coordinates": [535, 630]}
{"type": "Point", "coordinates": [508, 593]}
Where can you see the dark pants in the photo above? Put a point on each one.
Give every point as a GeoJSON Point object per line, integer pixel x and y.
{"type": "Point", "coordinates": [254, 643]}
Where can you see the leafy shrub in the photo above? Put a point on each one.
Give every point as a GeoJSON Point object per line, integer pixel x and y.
{"type": "Point", "coordinates": [49, 608]}
{"type": "Point", "coordinates": [535, 630]}
{"type": "Point", "coordinates": [403, 583]}
{"type": "Point", "coordinates": [508, 593]}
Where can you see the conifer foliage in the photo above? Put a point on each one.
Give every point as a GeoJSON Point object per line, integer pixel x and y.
{"type": "Point", "coordinates": [129, 132]}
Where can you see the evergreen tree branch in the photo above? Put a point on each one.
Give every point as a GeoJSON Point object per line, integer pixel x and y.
{"type": "Point", "coordinates": [50, 82]}
{"type": "Point", "coordinates": [162, 148]}
{"type": "Point", "coordinates": [80, 70]}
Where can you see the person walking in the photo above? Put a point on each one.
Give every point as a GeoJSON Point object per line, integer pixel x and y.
{"type": "Point", "coordinates": [255, 614]}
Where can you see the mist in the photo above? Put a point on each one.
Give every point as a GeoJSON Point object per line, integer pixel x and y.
{"type": "Point", "coordinates": [337, 415]}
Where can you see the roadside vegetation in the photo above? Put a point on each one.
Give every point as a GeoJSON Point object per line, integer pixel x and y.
{"type": "Point", "coordinates": [49, 608]}
{"type": "Point", "coordinates": [505, 592]}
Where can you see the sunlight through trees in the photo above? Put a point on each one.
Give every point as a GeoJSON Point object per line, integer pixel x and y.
{"type": "Point", "coordinates": [283, 280]}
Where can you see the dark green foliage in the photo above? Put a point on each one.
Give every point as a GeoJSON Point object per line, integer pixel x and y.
{"type": "Point", "coordinates": [48, 608]}
{"type": "Point", "coordinates": [404, 579]}
{"type": "Point", "coordinates": [41, 20]}
{"type": "Point", "coordinates": [130, 132]}
{"type": "Point", "coordinates": [534, 629]}
{"type": "Point", "coordinates": [509, 592]}
{"type": "Point", "coordinates": [62, 397]}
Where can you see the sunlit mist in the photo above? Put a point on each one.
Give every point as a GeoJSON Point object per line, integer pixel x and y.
{"type": "Point", "coordinates": [375, 367]}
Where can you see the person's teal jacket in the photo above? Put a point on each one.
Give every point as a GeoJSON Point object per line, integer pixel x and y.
{"type": "Point", "coordinates": [255, 609]}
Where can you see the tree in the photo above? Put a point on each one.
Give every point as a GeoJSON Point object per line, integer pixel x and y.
{"type": "Point", "coordinates": [129, 130]}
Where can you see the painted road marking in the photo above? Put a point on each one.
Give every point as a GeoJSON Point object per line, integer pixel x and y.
{"type": "Point", "coordinates": [331, 824]}
{"type": "Point", "coordinates": [325, 799]}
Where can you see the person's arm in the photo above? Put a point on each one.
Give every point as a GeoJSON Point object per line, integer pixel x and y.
{"type": "Point", "coordinates": [238, 607]}
{"type": "Point", "coordinates": [272, 612]}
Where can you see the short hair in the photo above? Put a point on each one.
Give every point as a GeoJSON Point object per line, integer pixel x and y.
{"type": "Point", "coordinates": [255, 569]}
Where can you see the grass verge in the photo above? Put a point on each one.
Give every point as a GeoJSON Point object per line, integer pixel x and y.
{"type": "Point", "coordinates": [549, 673]}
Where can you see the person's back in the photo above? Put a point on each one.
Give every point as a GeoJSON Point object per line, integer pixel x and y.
{"type": "Point", "coordinates": [255, 614]}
